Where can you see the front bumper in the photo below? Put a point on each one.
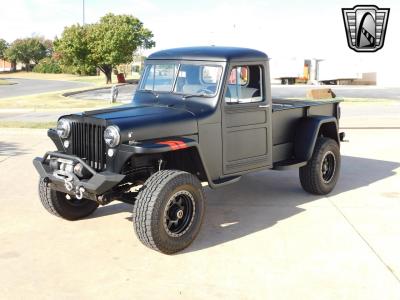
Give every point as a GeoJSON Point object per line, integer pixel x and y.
{"type": "Point", "coordinates": [97, 184]}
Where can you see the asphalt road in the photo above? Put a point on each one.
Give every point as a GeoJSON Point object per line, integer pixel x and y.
{"type": "Point", "coordinates": [34, 86]}
{"type": "Point", "coordinates": [278, 91]}
{"type": "Point", "coordinates": [262, 238]}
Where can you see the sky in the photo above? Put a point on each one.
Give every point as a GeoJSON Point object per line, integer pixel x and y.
{"type": "Point", "coordinates": [281, 28]}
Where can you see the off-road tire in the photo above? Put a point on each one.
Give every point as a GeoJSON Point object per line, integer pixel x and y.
{"type": "Point", "coordinates": [57, 204]}
{"type": "Point", "coordinates": [152, 202]}
{"type": "Point", "coordinates": [311, 176]}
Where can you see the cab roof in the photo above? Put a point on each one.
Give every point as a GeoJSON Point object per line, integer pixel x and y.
{"type": "Point", "coordinates": [210, 53]}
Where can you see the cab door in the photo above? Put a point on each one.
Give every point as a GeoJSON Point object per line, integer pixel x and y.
{"type": "Point", "coordinates": [246, 119]}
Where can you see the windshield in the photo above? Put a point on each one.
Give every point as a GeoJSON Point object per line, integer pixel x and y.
{"type": "Point", "coordinates": [183, 79]}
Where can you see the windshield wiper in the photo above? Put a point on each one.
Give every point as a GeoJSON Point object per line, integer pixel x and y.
{"type": "Point", "coordinates": [150, 91]}
{"type": "Point", "coordinates": [195, 95]}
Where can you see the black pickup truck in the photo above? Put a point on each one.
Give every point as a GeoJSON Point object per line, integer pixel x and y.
{"type": "Point", "coordinates": [200, 115]}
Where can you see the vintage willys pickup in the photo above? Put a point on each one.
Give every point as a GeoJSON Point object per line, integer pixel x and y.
{"type": "Point", "coordinates": [199, 115]}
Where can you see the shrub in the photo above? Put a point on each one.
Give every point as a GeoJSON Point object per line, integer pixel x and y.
{"type": "Point", "coordinates": [68, 69]}
{"type": "Point", "coordinates": [86, 70]}
{"type": "Point", "coordinates": [48, 65]}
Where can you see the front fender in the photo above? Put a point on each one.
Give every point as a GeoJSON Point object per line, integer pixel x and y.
{"type": "Point", "coordinates": [126, 151]}
{"type": "Point", "coordinates": [161, 146]}
{"type": "Point", "coordinates": [52, 134]}
{"type": "Point", "coordinates": [171, 145]}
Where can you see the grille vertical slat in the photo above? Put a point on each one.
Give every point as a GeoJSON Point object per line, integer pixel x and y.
{"type": "Point", "coordinates": [96, 147]}
{"type": "Point", "coordinates": [88, 144]}
{"type": "Point", "coordinates": [85, 141]}
{"type": "Point", "coordinates": [81, 140]}
{"type": "Point", "coordinates": [101, 146]}
{"type": "Point", "coordinates": [92, 149]}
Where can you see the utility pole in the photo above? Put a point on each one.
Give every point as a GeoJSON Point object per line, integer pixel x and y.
{"type": "Point", "coordinates": [83, 12]}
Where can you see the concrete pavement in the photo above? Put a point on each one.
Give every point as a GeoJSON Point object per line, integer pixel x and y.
{"type": "Point", "coordinates": [35, 86]}
{"type": "Point", "coordinates": [262, 238]}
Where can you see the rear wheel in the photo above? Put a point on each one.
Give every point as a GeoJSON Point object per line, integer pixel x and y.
{"type": "Point", "coordinates": [62, 205]}
{"type": "Point", "coordinates": [321, 173]}
{"type": "Point", "coordinates": [168, 211]}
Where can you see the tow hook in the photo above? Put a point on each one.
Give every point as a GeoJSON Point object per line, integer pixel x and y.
{"type": "Point", "coordinates": [67, 177]}
{"type": "Point", "coordinates": [79, 192]}
{"type": "Point", "coordinates": [68, 183]}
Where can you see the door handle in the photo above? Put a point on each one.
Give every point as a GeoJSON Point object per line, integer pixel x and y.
{"type": "Point", "coordinates": [263, 106]}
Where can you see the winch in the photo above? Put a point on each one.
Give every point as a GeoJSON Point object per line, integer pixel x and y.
{"type": "Point", "coordinates": [65, 170]}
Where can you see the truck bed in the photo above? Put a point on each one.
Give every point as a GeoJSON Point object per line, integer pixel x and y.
{"type": "Point", "coordinates": [284, 104]}
{"type": "Point", "coordinates": [285, 116]}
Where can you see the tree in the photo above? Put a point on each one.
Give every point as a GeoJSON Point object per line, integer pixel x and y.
{"type": "Point", "coordinates": [106, 44]}
{"type": "Point", "coordinates": [3, 48]}
{"type": "Point", "coordinates": [72, 49]}
{"type": "Point", "coordinates": [26, 51]}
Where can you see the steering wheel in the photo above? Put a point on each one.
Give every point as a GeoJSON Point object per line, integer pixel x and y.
{"type": "Point", "coordinates": [205, 91]}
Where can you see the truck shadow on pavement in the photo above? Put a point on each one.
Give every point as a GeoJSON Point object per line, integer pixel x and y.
{"type": "Point", "coordinates": [260, 200]}
{"type": "Point", "coordinates": [10, 149]}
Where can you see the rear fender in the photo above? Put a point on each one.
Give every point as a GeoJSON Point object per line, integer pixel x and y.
{"type": "Point", "coordinates": [307, 132]}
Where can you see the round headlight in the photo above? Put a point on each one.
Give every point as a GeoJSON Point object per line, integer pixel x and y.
{"type": "Point", "coordinates": [112, 136]}
{"type": "Point", "coordinates": [63, 128]}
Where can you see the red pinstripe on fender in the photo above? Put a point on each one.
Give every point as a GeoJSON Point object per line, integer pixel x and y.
{"type": "Point", "coordinates": [174, 145]}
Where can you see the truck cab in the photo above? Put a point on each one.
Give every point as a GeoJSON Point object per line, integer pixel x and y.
{"type": "Point", "coordinates": [200, 115]}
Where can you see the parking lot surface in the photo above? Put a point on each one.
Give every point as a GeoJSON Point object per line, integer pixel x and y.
{"type": "Point", "coordinates": [262, 238]}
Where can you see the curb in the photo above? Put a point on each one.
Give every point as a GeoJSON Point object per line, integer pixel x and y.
{"type": "Point", "coordinates": [68, 94]}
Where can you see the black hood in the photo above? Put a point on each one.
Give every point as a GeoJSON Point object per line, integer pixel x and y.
{"type": "Point", "coordinates": [148, 121]}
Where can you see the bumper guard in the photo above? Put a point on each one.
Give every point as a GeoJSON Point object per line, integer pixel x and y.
{"type": "Point", "coordinates": [97, 184]}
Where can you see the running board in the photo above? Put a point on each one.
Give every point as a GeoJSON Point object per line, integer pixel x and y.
{"type": "Point", "coordinates": [224, 181]}
{"type": "Point", "coordinates": [289, 164]}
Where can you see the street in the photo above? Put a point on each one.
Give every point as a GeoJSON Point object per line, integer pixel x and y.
{"type": "Point", "coordinates": [25, 87]}
{"type": "Point", "coordinates": [262, 238]}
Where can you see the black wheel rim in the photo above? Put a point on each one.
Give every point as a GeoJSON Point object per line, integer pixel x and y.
{"type": "Point", "coordinates": [328, 167]}
{"type": "Point", "coordinates": [179, 213]}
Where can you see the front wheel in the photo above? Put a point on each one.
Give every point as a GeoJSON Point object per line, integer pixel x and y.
{"type": "Point", "coordinates": [321, 173]}
{"type": "Point", "coordinates": [64, 206]}
{"type": "Point", "coordinates": [168, 211]}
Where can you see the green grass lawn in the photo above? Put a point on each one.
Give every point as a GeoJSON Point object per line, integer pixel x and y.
{"type": "Point", "coordinates": [368, 100]}
{"type": "Point", "coordinates": [351, 100]}
{"type": "Point", "coordinates": [22, 124]}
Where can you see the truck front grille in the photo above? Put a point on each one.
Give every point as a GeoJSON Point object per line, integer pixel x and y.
{"type": "Point", "coordinates": [88, 144]}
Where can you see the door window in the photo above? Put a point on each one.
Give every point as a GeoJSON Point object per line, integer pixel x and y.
{"type": "Point", "coordinates": [245, 85]}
